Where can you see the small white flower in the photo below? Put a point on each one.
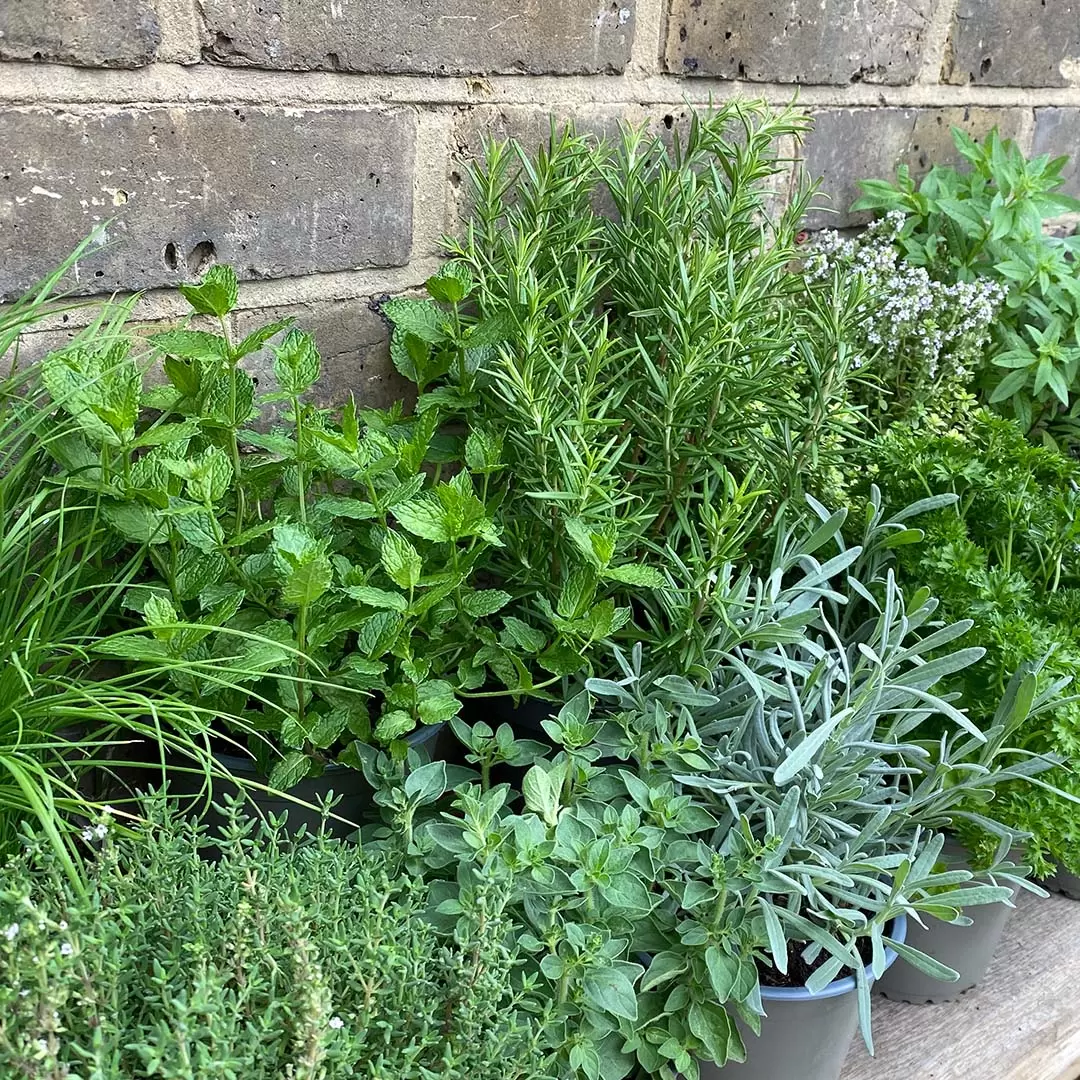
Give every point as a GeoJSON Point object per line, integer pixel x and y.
{"type": "Point", "coordinates": [101, 831]}
{"type": "Point", "coordinates": [41, 924]}
{"type": "Point", "coordinates": [108, 811]}
{"type": "Point", "coordinates": [66, 949]}
{"type": "Point", "coordinates": [11, 932]}
{"type": "Point", "coordinates": [24, 993]}
{"type": "Point", "coordinates": [336, 1023]}
{"type": "Point", "coordinates": [88, 835]}
{"type": "Point", "coordinates": [43, 1046]}
{"type": "Point", "coordinates": [63, 924]}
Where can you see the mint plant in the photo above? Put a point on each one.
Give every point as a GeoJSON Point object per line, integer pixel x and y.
{"type": "Point", "coordinates": [324, 563]}
{"type": "Point", "coordinates": [986, 222]}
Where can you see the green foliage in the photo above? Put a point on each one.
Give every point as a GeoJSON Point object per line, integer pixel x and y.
{"type": "Point", "coordinates": [625, 333]}
{"type": "Point", "coordinates": [987, 222]}
{"type": "Point", "coordinates": [61, 582]}
{"type": "Point", "coordinates": [1004, 556]}
{"type": "Point", "coordinates": [324, 564]}
{"type": "Point", "coordinates": [783, 804]}
{"type": "Point", "coordinates": [305, 959]}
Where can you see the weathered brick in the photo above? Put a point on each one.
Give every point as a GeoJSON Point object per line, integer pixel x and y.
{"type": "Point", "coordinates": [848, 145]}
{"type": "Point", "coordinates": [798, 41]}
{"type": "Point", "coordinates": [1015, 43]}
{"type": "Point", "coordinates": [452, 37]}
{"type": "Point", "coordinates": [531, 126]}
{"type": "Point", "coordinates": [1057, 132]}
{"type": "Point", "coordinates": [353, 343]}
{"type": "Point", "coordinates": [275, 192]}
{"type": "Point", "coordinates": [86, 33]}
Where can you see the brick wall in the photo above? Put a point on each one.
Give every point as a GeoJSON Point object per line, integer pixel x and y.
{"type": "Point", "coordinates": [318, 145]}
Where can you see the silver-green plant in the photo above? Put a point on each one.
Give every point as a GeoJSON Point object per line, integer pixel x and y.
{"type": "Point", "coordinates": [767, 815]}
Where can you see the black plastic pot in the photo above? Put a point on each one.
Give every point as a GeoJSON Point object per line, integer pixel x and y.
{"type": "Point", "coordinates": [1063, 882]}
{"type": "Point", "coordinates": [804, 1036]}
{"type": "Point", "coordinates": [355, 807]}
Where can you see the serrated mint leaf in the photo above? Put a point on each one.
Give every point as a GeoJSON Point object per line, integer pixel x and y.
{"type": "Point", "coordinates": [485, 602]}
{"type": "Point", "coordinates": [216, 294]}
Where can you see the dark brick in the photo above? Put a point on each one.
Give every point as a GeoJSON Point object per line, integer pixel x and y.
{"type": "Point", "coordinates": [1015, 43]}
{"type": "Point", "coordinates": [275, 192]}
{"type": "Point", "coordinates": [848, 145]}
{"type": "Point", "coordinates": [1057, 132]}
{"type": "Point", "coordinates": [451, 37]}
{"type": "Point", "coordinates": [85, 33]}
{"type": "Point", "coordinates": [353, 343]}
{"type": "Point", "coordinates": [798, 41]}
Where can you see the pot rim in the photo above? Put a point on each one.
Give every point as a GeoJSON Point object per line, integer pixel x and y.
{"type": "Point", "coordinates": [837, 987]}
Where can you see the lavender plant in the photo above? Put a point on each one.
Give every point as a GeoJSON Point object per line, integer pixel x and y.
{"type": "Point", "coordinates": [307, 959]}
{"type": "Point", "coordinates": [769, 806]}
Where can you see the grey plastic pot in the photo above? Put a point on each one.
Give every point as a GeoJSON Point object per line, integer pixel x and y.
{"type": "Point", "coordinates": [804, 1036]}
{"type": "Point", "coordinates": [1061, 881]}
{"type": "Point", "coordinates": [967, 949]}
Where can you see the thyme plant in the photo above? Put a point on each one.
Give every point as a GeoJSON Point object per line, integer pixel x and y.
{"type": "Point", "coordinates": [307, 959]}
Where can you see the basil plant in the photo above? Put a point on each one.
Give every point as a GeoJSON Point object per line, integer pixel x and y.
{"type": "Point", "coordinates": [693, 837]}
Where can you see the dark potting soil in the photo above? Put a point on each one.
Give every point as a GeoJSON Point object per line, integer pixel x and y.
{"type": "Point", "coordinates": [798, 970]}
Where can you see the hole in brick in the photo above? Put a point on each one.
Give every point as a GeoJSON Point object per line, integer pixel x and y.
{"type": "Point", "coordinates": [742, 70]}
{"type": "Point", "coordinates": [669, 121]}
{"type": "Point", "coordinates": [455, 178]}
{"type": "Point", "coordinates": [727, 36]}
{"type": "Point", "coordinates": [99, 273]}
{"type": "Point", "coordinates": [984, 67]}
{"type": "Point", "coordinates": [171, 257]}
{"type": "Point", "coordinates": [333, 61]}
{"type": "Point", "coordinates": [36, 56]}
{"type": "Point", "coordinates": [682, 33]}
{"type": "Point", "coordinates": [200, 257]}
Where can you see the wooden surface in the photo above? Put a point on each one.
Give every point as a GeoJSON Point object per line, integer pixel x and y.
{"type": "Point", "coordinates": [1021, 1023]}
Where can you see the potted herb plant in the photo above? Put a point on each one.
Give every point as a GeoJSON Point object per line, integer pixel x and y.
{"type": "Point", "coordinates": [654, 356]}
{"type": "Point", "coordinates": [1002, 553]}
{"type": "Point", "coordinates": [775, 824]}
{"type": "Point", "coordinates": [318, 579]}
{"type": "Point", "coordinates": [326, 967]}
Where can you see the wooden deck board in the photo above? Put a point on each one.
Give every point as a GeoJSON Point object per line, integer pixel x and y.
{"type": "Point", "coordinates": [1021, 1023]}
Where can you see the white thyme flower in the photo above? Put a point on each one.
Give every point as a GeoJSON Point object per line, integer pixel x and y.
{"type": "Point", "coordinates": [336, 1023]}
{"type": "Point", "coordinates": [63, 924]}
{"type": "Point", "coordinates": [12, 931]}
{"type": "Point", "coordinates": [66, 949]}
{"type": "Point", "coordinates": [108, 811]}
{"type": "Point", "coordinates": [101, 831]}
{"type": "Point", "coordinates": [24, 993]}
{"type": "Point", "coordinates": [88, 835]}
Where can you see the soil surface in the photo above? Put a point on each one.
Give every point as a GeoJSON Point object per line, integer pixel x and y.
{"type": "Point", "coordinates": [799, 970]}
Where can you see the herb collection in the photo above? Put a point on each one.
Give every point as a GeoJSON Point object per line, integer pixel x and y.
{"type": "Point", "coordinates": [700, 632]}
